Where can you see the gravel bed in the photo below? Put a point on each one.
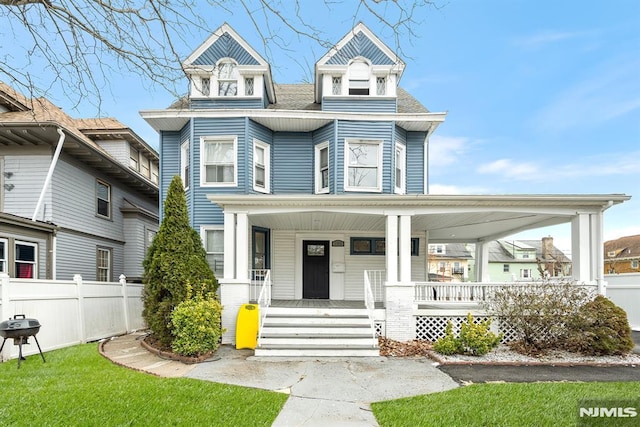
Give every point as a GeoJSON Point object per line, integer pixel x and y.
{"type": "Point", "coordinates": [504, 355]}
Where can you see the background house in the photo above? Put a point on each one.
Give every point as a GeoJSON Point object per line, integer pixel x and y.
{"type": "Point", "coordinates": [622, 255]}
{"type": "Point", "coordinates": [449, 262]}
{"type": "Point", "coordinates": [76, 196]}
{"type": "Point", "coordinates": [511, 260]}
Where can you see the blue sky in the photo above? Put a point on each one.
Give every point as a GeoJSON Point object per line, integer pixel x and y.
{"type": "Point", "coordinates": [542, 96]}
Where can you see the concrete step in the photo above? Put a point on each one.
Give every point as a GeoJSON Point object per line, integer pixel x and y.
{"type": "Point", "coordinates": [315, 311]}
{"type": "Point", "coordinates": [316, 320]}
{"type": "Point", "coordinates": [299, 332]}
{"type": "Point", "coordinates": [317, 352]}
{"type": "Point", "coordinates": [315, 331]}
{"type": "Point", "coordinates": [301, 341]}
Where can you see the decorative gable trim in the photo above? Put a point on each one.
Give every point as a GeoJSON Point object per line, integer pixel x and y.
{"type": "Point", "coordinates": [360, 42]}
{"type": "Point", "coordinates": [226, 42]}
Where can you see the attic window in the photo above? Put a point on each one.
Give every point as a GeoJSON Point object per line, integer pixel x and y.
{"type": "Point", "coordinates": [359, 78]}
{"type": "Point", "coordinates": [206, 86]}
{"type": "Point", "coordinates": [336, 85]}
{"type": "Point", "coordinates": [611, 254]}
{"type": "Point", "coordinates": [381, 86]}
{"type": "Point", "coordinates": [248, 86]}
{"type": "Point", "coordinates": [227, 79]}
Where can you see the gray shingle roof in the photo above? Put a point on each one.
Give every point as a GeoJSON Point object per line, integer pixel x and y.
{"type": "Point", "coordinates": [300, 97]}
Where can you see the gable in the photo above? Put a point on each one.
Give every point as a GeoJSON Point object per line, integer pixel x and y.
{"type": "Point", "coordinates": [360, 46]}
{"type": "Point", "coordinates": [225, 47]}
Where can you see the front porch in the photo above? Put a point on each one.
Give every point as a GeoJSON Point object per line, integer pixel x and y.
{"type": "Point", "coordinates": [372, 251]}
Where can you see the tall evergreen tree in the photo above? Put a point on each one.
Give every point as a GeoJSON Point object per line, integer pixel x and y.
{"type": "Point", "coordinates": [176, 257]}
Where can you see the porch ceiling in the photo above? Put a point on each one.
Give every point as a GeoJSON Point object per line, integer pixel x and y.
{"type": "Point", "coordinates": [447, 218]}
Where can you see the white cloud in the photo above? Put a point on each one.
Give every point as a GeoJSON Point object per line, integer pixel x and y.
{"type": "Point", "coordinates": [511, 169]}
{"type": "Point", "coordinates": [610, 164]}
{"type": "Point", "coordinates": [455, 189]}
{"type": "Point", "coordinates": [446, 150]}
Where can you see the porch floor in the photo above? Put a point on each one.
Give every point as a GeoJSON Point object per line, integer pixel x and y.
{"type": "Point", "coordinates": [319, 303]}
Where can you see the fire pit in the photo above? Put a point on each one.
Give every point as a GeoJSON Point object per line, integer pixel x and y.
{"type": "Point", "coordinates": [20, 329]}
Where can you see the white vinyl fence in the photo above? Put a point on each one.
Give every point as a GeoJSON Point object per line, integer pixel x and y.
{"type": "Point", "coordinates": [624, 291]}
{"type": "Point", "coordinates": [70, 311]}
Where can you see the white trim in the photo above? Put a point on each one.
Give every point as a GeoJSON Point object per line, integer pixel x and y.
{"type": "Point", "coordinates": [317, 168]}
{"type": "Point", "coordinates": [5, 261]}
{"type": "Point", "coordinates": [203, 237]}
{"type": "Point", "coordinates": [224, 28]}
{"type": "Point", "coordinates": [219, 138]}
{"type": "Point", "coordinates": [267, 166]}
{"type": "Point", "coordinates": [35, 256]}
{"type": "Point", "coordinates": [354, 141]}
{"type": "Point", "coordinates": [185, 161]}
{"type": "Point", "coordinates": [402, 189]}
{"type": "Point", "coordinates": [336, 280]}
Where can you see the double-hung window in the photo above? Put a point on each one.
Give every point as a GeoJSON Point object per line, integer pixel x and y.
{"type": "Point", "coordinates": [359, 76]}
{"type": "Point", "coordinates": [363, 165]}
{"type": "Point", "coordinates": [134, 159]}
{"type": "Point", "coordinates": [322, 167]}
{"type": "Point", "coordinates": [400, 169]}
{"type": "Point", "coordinates": [261, 166]}
{"type": "Point", "coordinates": [103, 264]}
{"type": "Point", "coordinates": [213, 239]}
{"type": "Point", "coordinates": [184, 164]}
{"type": "Point", "coordinates": [227, 79]}
{"type": "Point", "coordinates": [218, 161]}
{"type": "Point", "coordinates": [26, 260]}
{"type": "Point", "coordinates": [103, 199]}
{"type": "Point", "coordinates": [3, 256]}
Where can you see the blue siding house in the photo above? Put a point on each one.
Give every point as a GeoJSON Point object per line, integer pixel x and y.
{"type": "Point", "coordinates": [77, 196]}
{"type": "Point", "coordinates": [316, 195]}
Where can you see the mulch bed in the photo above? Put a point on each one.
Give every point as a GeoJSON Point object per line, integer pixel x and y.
{"type": "Point", "coordinates": [152, 345]}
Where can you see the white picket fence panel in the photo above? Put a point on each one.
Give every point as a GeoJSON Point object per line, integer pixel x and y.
{"type": "Point", "coordinates": [624, 291]}
{"type": "Point", "coordinates": [70, 311]}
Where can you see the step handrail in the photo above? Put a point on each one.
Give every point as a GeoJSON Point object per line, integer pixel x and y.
{"type": "Point", "coordinates": [264, 301]}
{"type": "Point", "coordinates": [370, 304]}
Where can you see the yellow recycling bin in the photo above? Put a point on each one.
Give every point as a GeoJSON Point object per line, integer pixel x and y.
{"type": "Point", "coordinates": [247, 326]}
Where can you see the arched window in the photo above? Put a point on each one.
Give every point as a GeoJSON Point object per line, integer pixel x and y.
{"type": "Point", "coordinates": [227, 79]}
{"type": "Point", "coordinates": [359, 76]}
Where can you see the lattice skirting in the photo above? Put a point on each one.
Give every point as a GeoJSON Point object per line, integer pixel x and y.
{"type": "Point", "coordinates": [380, 331]}
{"type": "Point", "coordinates": [430, 328]}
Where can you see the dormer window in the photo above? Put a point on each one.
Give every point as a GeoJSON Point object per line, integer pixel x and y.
{"type": "Point", "coordinates": [227, 79]}
{"type": "Point", "coordinates": [336, 85]}
{"type": "Point", "coordinates": [205, 83]}
{"type": "Point", "coordinates": [359, 76]}
{"type": "Point", "coordinates": [381, 86]}
{"type": "Point", "coordinates": [248, 86]}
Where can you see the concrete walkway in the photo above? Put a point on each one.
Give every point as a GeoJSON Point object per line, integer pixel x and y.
{"type": "Point", "coordinates": [323, 391]}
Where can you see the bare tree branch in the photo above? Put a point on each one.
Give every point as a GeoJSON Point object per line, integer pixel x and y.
{"type": "Point", "coordinates": [83, 48]}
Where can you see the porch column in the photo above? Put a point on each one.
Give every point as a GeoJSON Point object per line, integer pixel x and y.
{"type": "Point", "coordinates": [242, 246]}
{"type": "Point", "coordinates": [597, 252]}
{"type": "Point", "coordinates": [234, 287]}
{"type": "Point", "coordinates": [405, 248]}
{"type": "Point", "coordinates": [229, 245]}
{"type": "Point", "coordinates": [581, 248]}
{"type": "Point", "coordinates": [399, 294]}
{"type": "Point", "coordinates": [482, 262]}
{"type": "Point", "coordinates": [391, 245]}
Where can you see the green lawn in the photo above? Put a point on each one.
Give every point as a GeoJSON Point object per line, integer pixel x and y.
{"type": "Point", "coordinates": [77, 386]}
{"type": "Point", "coordinates": [510, 404]}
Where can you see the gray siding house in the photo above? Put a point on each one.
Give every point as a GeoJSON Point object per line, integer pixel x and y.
{"type": "Point", "coordinates": [311, 199]}
{"type": "Point", "coordinates": [76, 196]}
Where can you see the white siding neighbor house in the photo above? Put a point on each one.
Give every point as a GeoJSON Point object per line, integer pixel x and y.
{"type": "Point", "coordinates": [311, 199]}
{"type": "Point", "coordinates": [76, 196]}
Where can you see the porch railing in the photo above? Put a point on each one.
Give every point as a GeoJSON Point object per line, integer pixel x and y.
{"type": "Point", "coordinates": [466, 292]}
{"type": "Point", "coordinates": [264, 299]}
{"type": "Point", "coordinates": [376, 279]}
{"type": "Point", "coordinates": [370, 304]}
{"type": "Point", "coordinates": [257, 277]}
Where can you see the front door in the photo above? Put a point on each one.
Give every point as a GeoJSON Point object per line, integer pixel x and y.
{"type": "Point", "coordinates": [315, 269]}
